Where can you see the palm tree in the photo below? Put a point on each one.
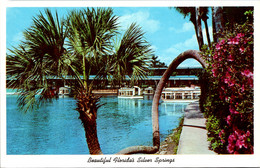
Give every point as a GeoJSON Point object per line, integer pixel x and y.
{"type": "Point", "coordinates": [204, 16]}
{"type": "Point", "coordinates": [218, 22]}
{"type": "Point", "coordinates": [89, 32]}
{"type": "Point", "coordinates": [40, 56]}
{"type": "Point", "coordinates": [199, 28]}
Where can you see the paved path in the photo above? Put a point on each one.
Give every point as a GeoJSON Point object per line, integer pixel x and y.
{"type": "Point", "coordinates": [193, 139]}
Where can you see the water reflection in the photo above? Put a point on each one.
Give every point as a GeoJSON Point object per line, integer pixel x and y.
{"type": "Point", "coordinates": [56, 129]}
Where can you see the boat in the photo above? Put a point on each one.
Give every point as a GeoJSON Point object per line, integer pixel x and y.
{"type": "Point", "coordinates": [64, 91]}
{"type": "Point", "coordinates": [133, 93]}
{"type": "Point", "coordinates": [181, 94]}
{"type": "Point", "coordinates": [148, 91]}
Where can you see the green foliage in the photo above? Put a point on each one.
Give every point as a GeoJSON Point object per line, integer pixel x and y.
{"type": "Point", "coordinates": [177, 136]}
{"type": "Point", "coordinates": [40, 56]}
{"type": "Point", "coordinates": [228, 99]}
{"type": "Point", "coordinates": [214, 128]}
{"type": "Point", "coordinates": [88, 34]}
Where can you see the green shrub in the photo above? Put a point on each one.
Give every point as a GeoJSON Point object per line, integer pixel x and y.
{"type": "Point", "coordinates": [228, 93]}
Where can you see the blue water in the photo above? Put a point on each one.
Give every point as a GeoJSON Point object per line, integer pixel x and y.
{"type": "Point", "coordinates": [55, 128]}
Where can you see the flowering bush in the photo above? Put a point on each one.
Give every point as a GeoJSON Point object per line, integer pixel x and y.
{"type": "Point", "coordinates": [229, 101]}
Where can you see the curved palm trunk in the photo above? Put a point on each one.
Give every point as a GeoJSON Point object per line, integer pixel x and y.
{"type": "Point", "coordinates": [88, 105]}
{"type": "Point", "coordinates": [155, 113]}
{"type": "Point", "coordinates": [175, 63]}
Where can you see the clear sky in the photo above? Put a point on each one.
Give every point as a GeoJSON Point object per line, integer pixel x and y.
{"type": "Point", "coordinates": [166, 30]}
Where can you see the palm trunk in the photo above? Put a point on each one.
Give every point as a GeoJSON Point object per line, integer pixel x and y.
{"type": "Point", "coordinates": [199, 29]}
{"type": "Point", "coordinates": [194, 22]}
{"type": "Point", "coordinates": [91, 137]}
{"type": "Point", "coordinates": [196, 31]}
{"type": "Point", "coordinates": [172, 67]}
{"type": "Point", "coordinates": [217, 19]}
{"type": "Point", "coordinates": [155, 113]}
{"type": "Point", "coordinates": [87, 108]}
{"type": "Point", "coordinates": [207, 31]}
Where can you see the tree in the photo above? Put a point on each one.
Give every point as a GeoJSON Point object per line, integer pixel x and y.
{"type": "Point", "coordinates": [204, 16]}
{"type": "Point", "coordinates": [40, 56]}
{"type": "Point", "coordinates": [194, 14]}
{"type": "Point", "coordinates": [155, 63]}
{"type": "Point", "coordinates": [217, 22]}
{"type": "Point", "coordinates": [199, 28]}
{"type": "Point", "coordinates": [89, 33]}
{"type": "Point", "coordinates": [132, 56]}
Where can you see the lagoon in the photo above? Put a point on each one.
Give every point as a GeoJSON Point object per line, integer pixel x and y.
{"type": "Point", "coordinates": [54, 128]}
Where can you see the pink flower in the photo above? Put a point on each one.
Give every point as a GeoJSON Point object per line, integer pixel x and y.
{"type": "Point", "coordinates": [222, 42]}
{"type": "Point", "coordinates": [236, 152]}
{"type": "Point", "coordinates": [230, 148]}
{"type": "Point", "coordinates": [214, 71]}
{"type": "Point", "coordinates": [233, 41]}
{"type": "Point", "coordinates": [243, 88]}
{"type": "Point", "coordinates": [228, 119]}
{"type": "Point", "coordinates": [215, 56]}
{"type": "Point", "coordinates": [223, 141]}
{"type": "Point", "coordinates": [247, 73]}
{"type": "Point", "coordinates": [239, 144]}
{"type": "Point", "coordinates": [231, 83]}
{"type": "Point", "coordinates": [221, 96]}
{"type": "Point", "coordinates": [230, 58]}
{"type": "Point", "coordinates": [242, 49]}
{"type": "Point", "coordinates": [245, 145]}
{"type": "Point", "coordinates": [220, 134]}
{"type": "Point", "coordinates": [239, 35]}
{"type": "Point", "coordinates": [218, 46]}
{"type": "Point", "coordinates": [248, 133]}
{"type": "Point", "coordinates": [232, 99]}
{"type": "Point", "coordinates": [233, 110]}
{"type": "Point", "coordinates": [228, 76]}
{"type": "Point", "coordinates": [251, 82]}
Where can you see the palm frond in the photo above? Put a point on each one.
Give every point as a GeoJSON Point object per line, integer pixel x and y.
{"type": "Point", "coordinates": [133, 55]}
{"type": "Point", "coordinates": [40, 56]}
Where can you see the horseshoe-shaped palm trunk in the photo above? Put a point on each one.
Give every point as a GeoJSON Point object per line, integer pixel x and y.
{"type": "Point", "coordinates": [88, 105]}
{"type": "Point", "coordinates": [172, 67]}
{"type": "Point", "coordinates": [155, 113]}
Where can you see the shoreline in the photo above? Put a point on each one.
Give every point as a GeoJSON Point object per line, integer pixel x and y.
{"type": "Point", "coordinates": [171, 143]}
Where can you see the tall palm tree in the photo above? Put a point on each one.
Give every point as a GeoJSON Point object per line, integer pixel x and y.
{"type": "Point", "coordinates": [204, 16]}
{"type": "Point", "coordinates": [199, 28]}
{"type": "Point", "coordinates": [217, 22]}
{"type": "Point", "coordinates": [90, 34]}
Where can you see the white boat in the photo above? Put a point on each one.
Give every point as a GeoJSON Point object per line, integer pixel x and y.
{"type": "Point", "coordinates": [181, 94]}
{"type": "Point", "coordinates": [64, 91]}
{"type": "Point", "coordinates": [133, 93]}
{"type": "Point", "coordinates": [148, 91]}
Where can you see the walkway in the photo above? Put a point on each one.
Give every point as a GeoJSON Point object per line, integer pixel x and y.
{"type": "Point", "coordinates": [193, 139]}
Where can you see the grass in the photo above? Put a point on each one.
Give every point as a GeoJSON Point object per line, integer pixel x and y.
{"type": "Point", "coordinates": [171, 143]}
